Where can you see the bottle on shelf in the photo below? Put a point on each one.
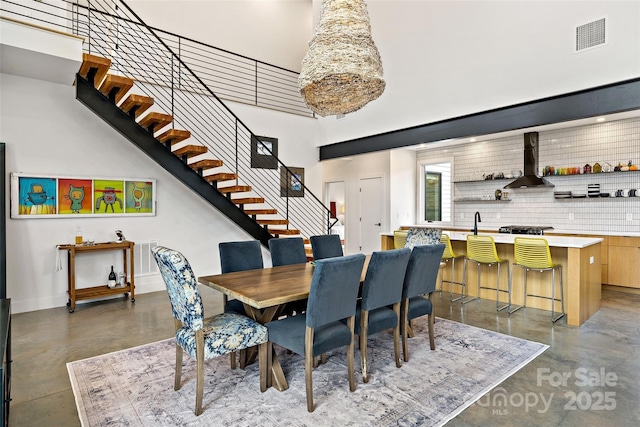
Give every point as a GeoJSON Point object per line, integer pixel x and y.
{"type": "Point", "coordinates": [78, 236]}
{"type": "Point", "coordinates": [112, 279]}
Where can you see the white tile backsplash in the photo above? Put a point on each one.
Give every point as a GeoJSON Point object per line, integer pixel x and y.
{"type": "Point", "coordinates": [607, 142]}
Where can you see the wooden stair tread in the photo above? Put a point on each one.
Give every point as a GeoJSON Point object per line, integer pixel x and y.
{"type": "Point", "coordinates": [139, 103]}
{"type": "Point", "coordinates": [261, 211]}
{"type": "Point", "coordinates": [287, 232]}
{"type": "Point", "coordinates": [119, 85]}
{"type": "Point", "coordinates": [190, 150]}
{"type": "Point", "coordinates": [206, 164]}
{"type": "Point", "coordinates": [247, 200]}
{"type": "Point", "coordinates": [99, 63]}
{"type": "Point", "coordinates": [223, 176]}
{"type": "Point", "coordinates": [272, 221]}
{"type": "Point", "coordinates": [235, 189]}
{"type": "Point", "coordinates": [174, 135]}
{"type": "Point", "coordinates": [156, 121]}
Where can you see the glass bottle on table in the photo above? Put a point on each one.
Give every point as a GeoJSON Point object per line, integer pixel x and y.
{"type": "Point", "coordinates": [78, 236]}
{"type": "Point", "coordinates": [112, 279]}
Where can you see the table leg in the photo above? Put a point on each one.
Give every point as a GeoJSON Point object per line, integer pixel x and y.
{"type": "Point", "coordinates": [276, 378]}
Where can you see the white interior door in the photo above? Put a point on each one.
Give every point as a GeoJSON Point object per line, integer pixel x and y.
{"type": "Point", "coordinates": [371, 214]}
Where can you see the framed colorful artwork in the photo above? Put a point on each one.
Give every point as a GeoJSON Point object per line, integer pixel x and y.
{"type": "Point", "coordinates": [45, 196]}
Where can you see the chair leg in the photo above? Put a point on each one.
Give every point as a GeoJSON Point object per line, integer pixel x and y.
{"type": "Point", "coordinates": [350, 350]}
{"type": "Point", "coordinates": [199, 370]}
{"type": "Point", "coordinates": [364, 321]}
{"type": "Point", "coordinates": [243, 358]}
{"type": "Point", "coordinates": [432, 320]}
{"type": "Point", "coordinates": [176, 384]}
{"type": "Point", "coordinates": [396, 336]}
{"type": "Point", "coordinates": [232, 360]}
{"type": "Point", "coordinates": [498, 308]}
{"type": "Point", "coordinates": [308, 366]}
{"type": "Point", "coordinates": [467, 299]}
{"type": "Point", "coordinates": [554, 319]}
{"type": "Point", "coordinates": [512, 310]}
{"type": "Point", "coordinates": [403, 328]}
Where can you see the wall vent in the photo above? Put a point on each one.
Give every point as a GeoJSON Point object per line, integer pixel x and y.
{"type": "Point", "coordinates": [591, 35]}
{"type": "Point", "coordinates": [144, 263]}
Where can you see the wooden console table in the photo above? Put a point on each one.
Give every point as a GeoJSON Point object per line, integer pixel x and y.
{"type": "Point", "coordinates": [102, 290]}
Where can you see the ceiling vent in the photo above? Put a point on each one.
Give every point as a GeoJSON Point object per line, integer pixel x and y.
{"type": "Point", "coordinates": [591, 35]}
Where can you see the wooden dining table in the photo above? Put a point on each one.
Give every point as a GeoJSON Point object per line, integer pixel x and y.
{"type": "Point", "coordinates": [264, 292]}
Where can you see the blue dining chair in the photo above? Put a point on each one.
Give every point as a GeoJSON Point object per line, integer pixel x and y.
{"type": "Point", "coordinates": [239, 256]}
{"type": "Point", "coordinates": [204, 338]}
{"type": "Point", "coordinates": [288, 251]}
{"type": "Point", "coordinates": [326, 246]}
{"type": "Point", "coordinates": [379, 308]}
{"type": "Point", "coordinates": [332, 298]}
{"type": "Point", "coordinates": [419, 281]}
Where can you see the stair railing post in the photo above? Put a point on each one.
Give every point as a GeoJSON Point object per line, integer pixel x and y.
{"type": "Point", "coordinates": [256, 83]}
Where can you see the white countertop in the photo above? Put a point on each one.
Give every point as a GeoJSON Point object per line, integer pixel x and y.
{"type": "Point", "coordinates": [556, 241]}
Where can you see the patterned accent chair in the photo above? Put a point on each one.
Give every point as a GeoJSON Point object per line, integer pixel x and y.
{"type": "Point", "coordinates": [422, 236]}
{"type": "Point", "coordinates": [204, 338]}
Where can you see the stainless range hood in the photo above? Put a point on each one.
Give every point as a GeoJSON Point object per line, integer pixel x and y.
{"type": "Point", "coordinates": [530, 177]}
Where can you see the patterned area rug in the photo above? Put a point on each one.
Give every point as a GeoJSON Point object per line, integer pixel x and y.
{"type": "Point", "coordinates": [134, 387]}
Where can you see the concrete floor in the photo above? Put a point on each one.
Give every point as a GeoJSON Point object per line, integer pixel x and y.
{"type": "Point", "coordinates": [588, 377]}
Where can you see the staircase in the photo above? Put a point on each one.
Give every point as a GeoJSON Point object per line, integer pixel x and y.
{"type": "Point", "coordinates": [97, 86]}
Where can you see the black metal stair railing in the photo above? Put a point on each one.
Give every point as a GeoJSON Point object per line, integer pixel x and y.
{"type": "Point", "coordinates": [231, 76]}
{"type": "Point", "coordinates": [114, 31]}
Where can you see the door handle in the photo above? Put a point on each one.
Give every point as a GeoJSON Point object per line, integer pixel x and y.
{"type": "Point", "coordinates": [378, 224]}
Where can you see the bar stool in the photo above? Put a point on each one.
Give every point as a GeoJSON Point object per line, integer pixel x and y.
{"type": "Point", "coordinates": [449, 255]}
{"type": "Point", "coordinates": [532, 253]}
{"type": "Point", "coordinates": [482, 251]}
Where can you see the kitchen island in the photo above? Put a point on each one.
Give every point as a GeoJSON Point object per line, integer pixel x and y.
{"type": "Point", "coordinates": [581, 262]}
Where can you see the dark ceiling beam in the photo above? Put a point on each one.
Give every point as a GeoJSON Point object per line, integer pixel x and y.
{"type": "Point", "coordinates": [608, 99]}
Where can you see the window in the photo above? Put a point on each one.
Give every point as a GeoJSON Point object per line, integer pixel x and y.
{"type": "Point", "coordinates": [434, 191]}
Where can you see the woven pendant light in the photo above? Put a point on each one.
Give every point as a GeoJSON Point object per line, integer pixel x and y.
{"type": "Point", "coordinates": [342, 71]}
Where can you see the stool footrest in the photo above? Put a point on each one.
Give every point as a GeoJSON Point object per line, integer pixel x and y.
{"type": "Point", "coordinates": [515, 309]}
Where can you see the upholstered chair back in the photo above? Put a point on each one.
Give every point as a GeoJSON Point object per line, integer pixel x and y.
{"type": "Point", "coordinates": [182, 286]}
{"type": "Point", "coordinates": [326, 246]}
{"type": "Point", "coordinates": [287, 251]}
{"type": "Point", "coordinates": [422, 270]}
{"type": "Point", "coordinates": [240, 256]}
{"type": "Point", "coordinates": [334, 290]}
{"type": "Point", "coordinates": [422, 236]}
{"type": "Point", "coordinates": [385, 276]}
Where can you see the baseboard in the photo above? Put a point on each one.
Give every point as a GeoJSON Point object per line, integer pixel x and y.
{"type": "Point", "coordinates": [623, 289]}
{"type": "Point", "coordinates": [144, 284]}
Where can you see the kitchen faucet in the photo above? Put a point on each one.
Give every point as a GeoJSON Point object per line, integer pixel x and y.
{"type": "Point", "coordinates": [476, 220]}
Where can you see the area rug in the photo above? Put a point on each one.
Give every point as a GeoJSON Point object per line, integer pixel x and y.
{"type": "Point", "coordinates": [134, 387]}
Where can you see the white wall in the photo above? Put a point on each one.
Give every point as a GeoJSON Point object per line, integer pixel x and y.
{"type": "Point", "coordinates": [276, 32]}
{"type": "Point", "coordinates": [444, 59]}
{"type": "Point", "coordinates": [402, 184]}
{"type": "Point", "coordinates": [351, 170]}
{"type": "Point", "coordinates": [47, 131]}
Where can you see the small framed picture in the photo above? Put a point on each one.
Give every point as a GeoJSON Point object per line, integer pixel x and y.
{"type": "Point", "coordinates": [264, 152]}
{"type": "Point", "coordinates": [291, 182]}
